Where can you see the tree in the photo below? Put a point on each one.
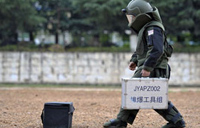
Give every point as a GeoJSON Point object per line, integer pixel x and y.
{"type": "Point", "coordinates": [180, 16]}
{"type": "Point", "coordinates": [57, 14]}
{"type": "Point", "coordinates": [17, 15]}
{"type": "Point", "coordinates": [99, 16]}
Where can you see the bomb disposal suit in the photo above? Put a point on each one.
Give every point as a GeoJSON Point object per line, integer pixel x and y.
{"type": "Point", "coordinates": [151, 58]}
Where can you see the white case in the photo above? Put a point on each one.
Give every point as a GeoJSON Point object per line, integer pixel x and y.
{"type": "Point", "coordinates": [144, 93]}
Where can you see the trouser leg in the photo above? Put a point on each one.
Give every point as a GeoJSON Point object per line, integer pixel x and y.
{"type": "Point", "coordinates": [123, 117]}
{"type": "Point", "coordinates": [127, 115]}
{"type": "Point", "coordinates": [172, 115]}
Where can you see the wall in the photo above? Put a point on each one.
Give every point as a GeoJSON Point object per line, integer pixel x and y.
{"type": "Point", "coordinates": [86, 68]}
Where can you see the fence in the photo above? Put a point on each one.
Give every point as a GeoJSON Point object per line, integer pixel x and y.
{"type": "Point", "coordinates": [87, 68]}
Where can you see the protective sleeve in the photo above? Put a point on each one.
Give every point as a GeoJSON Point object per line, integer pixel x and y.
{"type": "Point", "coordinates": [134, 58]}
{"type": "Point", "coordinates": [154, 39]}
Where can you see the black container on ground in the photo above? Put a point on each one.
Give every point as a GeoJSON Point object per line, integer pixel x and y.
{"type": "Point", "coordinates": [57, 115]}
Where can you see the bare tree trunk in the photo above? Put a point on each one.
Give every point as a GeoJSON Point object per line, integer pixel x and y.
{"type": "Point", "coordinates": [31, 36]}
{"type": "Point", "coordinates": [56, 38]}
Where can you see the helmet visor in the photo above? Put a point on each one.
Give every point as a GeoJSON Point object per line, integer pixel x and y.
{"type": "Point", "coordinates": [130, 18]}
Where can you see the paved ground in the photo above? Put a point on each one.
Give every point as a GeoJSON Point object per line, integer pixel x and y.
{"type": "Point", "coordinates": [22, 107]}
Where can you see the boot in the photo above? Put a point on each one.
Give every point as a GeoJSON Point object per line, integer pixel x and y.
{"type": "Point", "coordinates": [179, 124]}
{"type": "Point", "coordinates": [115, 123]}
{"type": "Point", "coordinates": [123, 117]}
{"type": "Point", "coordinates": [127, 115]}
{"type": "Point", "coordinates": [173, 116]}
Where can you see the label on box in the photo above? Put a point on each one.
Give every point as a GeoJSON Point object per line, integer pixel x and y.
{"type": "Point", "coordinates": [145, 93]}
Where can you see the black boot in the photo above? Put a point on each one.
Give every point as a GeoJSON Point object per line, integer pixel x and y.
{"type": "Point", "coordinates": [173, 116]}
{"type": "Point", "coordinates": [123, 117]}
{"type": "Point", "coordinates": [179, 124]}
{"type": "Point", "coordinates": [115, 123]}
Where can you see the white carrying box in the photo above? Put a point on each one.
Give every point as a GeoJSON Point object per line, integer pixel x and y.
{"type": "Point", "coordinates": [144, 93]}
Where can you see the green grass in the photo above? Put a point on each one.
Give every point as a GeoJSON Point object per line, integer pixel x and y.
{"type": "Point", "coordinates": [59, 85]}
{"type": "Point", "coordinates": [91, 86]}
{"type": "Point", "coordinates": [99, 49]}
{"type": "Point", "coordinates": [30, 85]}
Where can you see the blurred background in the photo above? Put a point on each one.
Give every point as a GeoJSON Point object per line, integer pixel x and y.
{"type": "Point", "coordinates": [74, 25]}
{"type": "Point", "coordinates": [87, 26]}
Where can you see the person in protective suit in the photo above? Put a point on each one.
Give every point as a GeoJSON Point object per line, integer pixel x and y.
{"type": "Point", "coordinates": [151, 58]}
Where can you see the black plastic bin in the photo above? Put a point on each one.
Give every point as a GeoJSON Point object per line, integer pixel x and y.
{"type": "Point", "coordinates": [57, 115]}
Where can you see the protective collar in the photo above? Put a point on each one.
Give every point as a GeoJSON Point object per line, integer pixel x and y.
{"type": "Point", "coordinates": [139, 21]}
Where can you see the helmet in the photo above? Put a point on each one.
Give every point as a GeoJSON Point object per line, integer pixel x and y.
{"type": "Point", "coordinates": [136, 12]}
{"type": "Point", "coordinates": [136, 7]}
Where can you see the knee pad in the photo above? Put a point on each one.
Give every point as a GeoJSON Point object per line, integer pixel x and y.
{"type": "Point", "coordinates": [175, 114]}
